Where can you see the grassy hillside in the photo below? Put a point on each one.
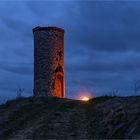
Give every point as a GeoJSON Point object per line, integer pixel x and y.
{"type": "Point", "coordinates": [49, 117]}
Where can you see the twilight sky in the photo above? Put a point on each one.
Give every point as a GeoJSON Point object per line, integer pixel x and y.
{"type": "Point", "coordinates": [102, 44]}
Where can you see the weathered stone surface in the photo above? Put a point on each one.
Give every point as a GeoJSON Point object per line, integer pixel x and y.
{"type": "Point", "coordinates": [49, 61]}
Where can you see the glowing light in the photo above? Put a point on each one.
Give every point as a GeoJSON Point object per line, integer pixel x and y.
{"type": "Point", "coordinates": [85, 99]}
{"type": "Point", "coordinates": [84, 96]}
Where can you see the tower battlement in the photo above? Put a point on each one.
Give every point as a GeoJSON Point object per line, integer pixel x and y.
{"type": "Point", "coordinates": [38, 28]}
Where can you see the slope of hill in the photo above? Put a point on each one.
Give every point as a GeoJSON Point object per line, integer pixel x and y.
{"type": "Point", "coordinates": [49, 117]}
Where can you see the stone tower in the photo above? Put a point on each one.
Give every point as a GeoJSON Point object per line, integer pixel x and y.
{"type": "Point", "coordinates": [49, 61]}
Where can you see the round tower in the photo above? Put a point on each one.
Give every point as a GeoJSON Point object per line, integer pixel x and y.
{"type": "Point", "coordinates": [49, 61]}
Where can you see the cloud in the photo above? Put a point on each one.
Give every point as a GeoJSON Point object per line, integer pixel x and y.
{"type": "Point", "coordinates": [21, 68]}
{"type": "Point", "coordinates": [101, 43]}
{"type": "Point", "coordinates": [107, 26]}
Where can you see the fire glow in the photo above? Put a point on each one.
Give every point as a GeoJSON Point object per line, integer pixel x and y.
{"type": "Point", "coordinates": [85, 99]}
{"type": "Point", "coordinates": [84, 96]}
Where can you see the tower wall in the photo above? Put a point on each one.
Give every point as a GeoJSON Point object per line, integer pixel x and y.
{"type": "Point", "coordinates": [49, 61]}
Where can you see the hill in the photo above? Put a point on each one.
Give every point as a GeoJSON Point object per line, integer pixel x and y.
{"type": "Point", "coordinates": [50, 117]}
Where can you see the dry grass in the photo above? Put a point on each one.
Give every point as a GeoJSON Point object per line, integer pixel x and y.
{"type": "Point", "coordinates": [47, 117]}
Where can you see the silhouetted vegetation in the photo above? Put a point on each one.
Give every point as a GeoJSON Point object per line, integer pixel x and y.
{"type": "Point", "coordinates": [19, 92]}
{"type": "Point", "coordinates": [137, 87]}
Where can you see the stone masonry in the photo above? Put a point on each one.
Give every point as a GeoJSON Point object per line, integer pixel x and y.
{"type": "Point", "coordinates": [49, 61]}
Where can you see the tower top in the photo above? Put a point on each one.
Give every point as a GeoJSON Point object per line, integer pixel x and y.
{"type": "Point", "coordinates": [38, 28]}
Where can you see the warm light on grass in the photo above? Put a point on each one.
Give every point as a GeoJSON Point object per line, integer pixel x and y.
{"type": "Point", "coordinates": [85, 99]}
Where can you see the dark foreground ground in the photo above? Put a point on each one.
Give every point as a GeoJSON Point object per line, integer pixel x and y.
{"type": "Point", "coordinates": [43, 117]}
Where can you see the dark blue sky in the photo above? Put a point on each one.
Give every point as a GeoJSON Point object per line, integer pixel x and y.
{"type": "Point", "coordinates": [102, 44]}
